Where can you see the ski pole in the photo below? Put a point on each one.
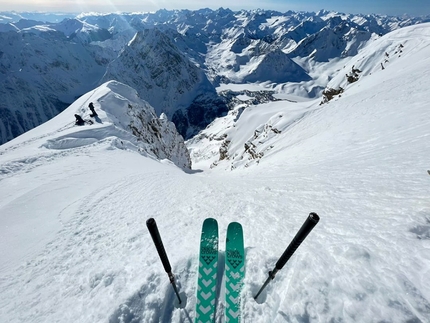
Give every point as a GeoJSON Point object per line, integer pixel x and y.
{"type": "Point", "coordinates": [306, 228]}
{"type": "Point", "coordinates": [155, 234]}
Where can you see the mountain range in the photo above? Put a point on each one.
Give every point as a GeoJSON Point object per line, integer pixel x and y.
{"type": "Point", "coordinates": [176, 60]}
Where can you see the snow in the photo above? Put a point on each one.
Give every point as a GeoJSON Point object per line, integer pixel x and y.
{"type": "Point", "coordinates": [74, 245]}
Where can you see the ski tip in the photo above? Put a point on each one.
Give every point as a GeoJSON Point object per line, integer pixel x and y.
{"type": "Point", "coordinates": [210, 220]}
{"type": "Point", "coordinates": [209, 226]}
{"type": "Point", "coordinates": [234, 229]}
{"type": "Point", "coordinates": [234, 225]}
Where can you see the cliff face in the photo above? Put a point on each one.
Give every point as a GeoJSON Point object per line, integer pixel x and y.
{"type": "Point", "coordinates": [167, 79]}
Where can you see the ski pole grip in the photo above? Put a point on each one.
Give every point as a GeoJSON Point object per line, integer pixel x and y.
{"type": "Point", "coordinates": [306, 228]}
{"type": "Point", "coordinates": [155, 234]}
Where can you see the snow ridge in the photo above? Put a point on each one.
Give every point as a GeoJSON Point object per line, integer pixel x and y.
{"type": "Point", "coordinates": [124, 121]}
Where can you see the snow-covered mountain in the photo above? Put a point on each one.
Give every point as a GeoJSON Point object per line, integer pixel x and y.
{"type": "Point", "coordinates": [220, 145]}
{"type": "Point", "coordinates": [13, 17]}
{"type": "Point", "coordinates": [41, 73]}
{"type": "Point", "coordinates": [77, 30]}
{"type": "Point", "coordinates": [339, 41]}
{"type": "Point", "coordinates": [123, 121]}
{"type": "Point", "coordinates": [74, 201]}
{"type": "Point", "coordinates": [168, 80]}
{"type": "Point", "coordinates": [46, 63]}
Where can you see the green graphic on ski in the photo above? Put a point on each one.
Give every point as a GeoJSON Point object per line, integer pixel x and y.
{"type": "Point", "coordinates": [208, 268]}
{"type": "Point", "coordinates": [234, 272]}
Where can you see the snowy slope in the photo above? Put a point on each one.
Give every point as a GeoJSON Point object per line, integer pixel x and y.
{"type": "Point", "coordinates": [124, 121]}
{"type": "Point", "coordinates": [74, 245]}
{"type": "Point", "coordinates": [392, 51]}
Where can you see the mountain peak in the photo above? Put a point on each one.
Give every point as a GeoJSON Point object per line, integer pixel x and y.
{"type": "Point", "coordinates": [277, 67]}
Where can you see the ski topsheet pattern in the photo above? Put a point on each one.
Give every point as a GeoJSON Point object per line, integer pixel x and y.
{"type": "Point", "coordinates": [234, 272]}
{"type": "Point", "coordinates": [208, 269]}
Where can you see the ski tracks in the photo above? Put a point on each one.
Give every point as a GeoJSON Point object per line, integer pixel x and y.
{"type": "Point", "coordinates": [200, 197]}
{"type": "Point", "coordinates": [102, 266]}
{"type": "Point", "coordinates": [93, 255]}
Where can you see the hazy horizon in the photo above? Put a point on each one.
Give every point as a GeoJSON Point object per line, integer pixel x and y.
{"type": "Point", "coordinates": [382, 7]}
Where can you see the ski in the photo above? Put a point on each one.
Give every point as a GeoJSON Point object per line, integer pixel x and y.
{"type": "Point", "coordinates": [208, 269]}
{"type": "Point", "coordinates": [234, 272]}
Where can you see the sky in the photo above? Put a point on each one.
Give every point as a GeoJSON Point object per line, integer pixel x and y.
{"type": "Point", "coordinates": [387, 7]}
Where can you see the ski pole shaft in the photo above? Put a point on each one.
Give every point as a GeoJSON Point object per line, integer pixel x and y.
{"type": "Point", "coordinates": [271, 277]}
{"type": "Point", "coordinates": [156, 238]}
{"type": "Point", "coordinates": [155, 234]}
{"type": "Point", "coordinates": [301, 235]}
{"type": "Point", "coordinates": [306, 228]}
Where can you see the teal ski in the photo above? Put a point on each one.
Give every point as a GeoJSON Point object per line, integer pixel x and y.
{"type": "Point", "coordinates": [208, 269]}
{"type": "Point", "coordinates": [234, 272]}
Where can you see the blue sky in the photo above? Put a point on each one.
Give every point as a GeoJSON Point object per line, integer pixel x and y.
{"type": "Point", "coordinates": [388, 7]}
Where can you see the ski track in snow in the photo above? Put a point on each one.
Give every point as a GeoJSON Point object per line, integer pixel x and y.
{"type": "Point", "coordinates": [90, 232]}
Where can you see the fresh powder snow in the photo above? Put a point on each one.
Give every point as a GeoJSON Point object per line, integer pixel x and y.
{"type": "Point", "coordinates": [74, 201]}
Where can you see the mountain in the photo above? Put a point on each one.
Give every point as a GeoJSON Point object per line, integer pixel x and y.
{"type": "Point", "coordinates": [83, 32]}
{"type": "Point", "coordinates": [50, 60]}
{"type": "Point", "coordinates": [41, 73]}
{"type": "Point", "coordinates": [341, 41]}
{"type": "Point", "coordinates": [276, 67]}
{"type": "Point", "coordinates": [168, 80]}
{"type": "Point", "coordinates": [12, 17]}
{"type": "Point", "coordinates": [244, 137]}
{"type": "Point", "coordinates": [74, 201]}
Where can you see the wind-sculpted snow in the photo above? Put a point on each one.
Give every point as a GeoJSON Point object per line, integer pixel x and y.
{"type": "Point", "coordinates": [80, 138]}
{"type": "Point", "coordinates": [155, 135]}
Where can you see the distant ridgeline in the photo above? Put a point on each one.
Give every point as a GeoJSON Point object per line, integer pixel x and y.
{"type": "Point", "coordinates": [174, 59]}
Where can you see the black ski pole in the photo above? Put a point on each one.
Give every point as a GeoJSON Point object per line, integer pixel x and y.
{"type": "Point", "coordinates": [153, 230]}
{"type": "Point", "coordinates": [306, 228]}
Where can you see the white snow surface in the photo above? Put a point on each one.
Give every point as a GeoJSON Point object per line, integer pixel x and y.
{"type": "Point", "coordinates": [74, 246]}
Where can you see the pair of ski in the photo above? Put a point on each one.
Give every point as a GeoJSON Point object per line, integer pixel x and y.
{"type": "Point", "coordinates": [234, 272]}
